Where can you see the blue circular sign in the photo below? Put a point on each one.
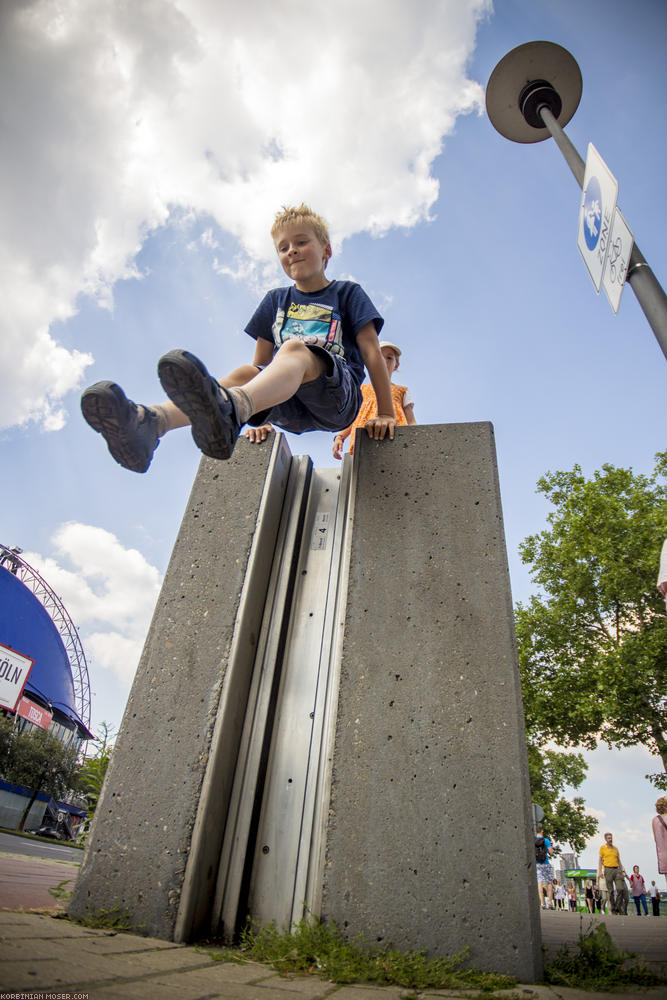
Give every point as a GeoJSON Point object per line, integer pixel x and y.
{"type": "Point", "coordinates": [592, 213]}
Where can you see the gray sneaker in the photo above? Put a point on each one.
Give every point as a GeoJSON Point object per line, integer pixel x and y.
{"type": "Point", "coordinates": [132, 441]}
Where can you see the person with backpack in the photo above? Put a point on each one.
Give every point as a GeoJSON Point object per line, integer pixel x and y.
{"type": "Point", "coordinates": [544, 871]}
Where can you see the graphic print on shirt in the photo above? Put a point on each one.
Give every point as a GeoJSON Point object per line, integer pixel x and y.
{"type": "Point", "coordinates": [316, 324]}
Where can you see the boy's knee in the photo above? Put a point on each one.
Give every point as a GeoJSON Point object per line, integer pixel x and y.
{"type": "Point", "coordinates": [293, 346]}
{"type": "Point", "coordinates": [316, 360]}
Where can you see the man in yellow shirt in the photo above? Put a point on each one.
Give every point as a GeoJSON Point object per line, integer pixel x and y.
{"type": "Point", "coordinates": [610, 866]}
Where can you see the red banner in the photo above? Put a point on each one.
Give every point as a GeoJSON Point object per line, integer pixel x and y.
{"type": "Point", "coordinates": [34, 713]}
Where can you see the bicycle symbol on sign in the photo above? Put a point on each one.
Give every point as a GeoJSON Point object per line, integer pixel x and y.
{"type": "Point", "coordinates": [617, 263]}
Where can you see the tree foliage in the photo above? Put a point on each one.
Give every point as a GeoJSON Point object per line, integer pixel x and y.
{"type": "Point", "coordinates": [551, 771]}
{"type": "Point", "coordinates": [94, 768]}
{"type": "Point", "coordinates": [36, 760]}
{"type": "Point", "coordinates": [593, 643]}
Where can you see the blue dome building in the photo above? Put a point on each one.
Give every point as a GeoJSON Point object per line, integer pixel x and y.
{"type": "Point", "coordinates": [35, 624]}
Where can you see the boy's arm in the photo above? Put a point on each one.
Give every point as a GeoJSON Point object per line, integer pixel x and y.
{"type": "Point", "coordinates": [377, 427]}
{"type": "Point", "coordinates": [263, 352]}
{"type": "Point", "coordinates": [338, 441]}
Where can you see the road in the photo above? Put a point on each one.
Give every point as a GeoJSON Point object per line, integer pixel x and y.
{"type": "Point", "coordinates": [56, 851]}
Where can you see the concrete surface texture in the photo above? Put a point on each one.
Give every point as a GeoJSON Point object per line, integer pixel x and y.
{"type": "Point", "coordinates": [164, 798]}
{"type": "Point", "coordinates": [429, 844]}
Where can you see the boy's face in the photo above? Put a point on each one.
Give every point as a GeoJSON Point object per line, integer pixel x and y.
{"type": "Point", "coordinates": [302, 256]}
{"type": "Point", "coordinates": [390, 359]}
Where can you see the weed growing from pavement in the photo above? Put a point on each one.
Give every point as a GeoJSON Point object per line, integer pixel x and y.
{"type": "Point", "coordinates": [598, 965]}
{"type": "Point", "coordinates": [59, 891]}
{"type": "Point", "coordinates": [322, 950]}
{"type": "Point", "coordinates": [113, 919]}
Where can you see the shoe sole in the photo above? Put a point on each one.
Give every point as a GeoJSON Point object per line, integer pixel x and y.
{"type": "Point", "coordinates": [107, 410]}
{"type": "Point", "coordinates": [194, 391]}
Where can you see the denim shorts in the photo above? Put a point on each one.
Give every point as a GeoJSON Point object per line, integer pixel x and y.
{"type": "Point", "coordinates": [328, 403]}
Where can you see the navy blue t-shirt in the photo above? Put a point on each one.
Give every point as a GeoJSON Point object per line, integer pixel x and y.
{"type": "Point", "coordinates": [330, 318]}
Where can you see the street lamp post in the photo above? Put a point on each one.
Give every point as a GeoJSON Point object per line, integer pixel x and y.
{"type": "Point", "coordinates": [532, 93]}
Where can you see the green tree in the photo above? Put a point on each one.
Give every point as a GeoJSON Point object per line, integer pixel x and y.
{"type": "Point", "coordinates": [593, 643]}
{"type": "Point", "coordinates": [551, 771]}
{"type": "Point", "coordinates": [6, 739]}
{"type": "Point", "coordinates": [94, 768]}
{"type": "Point", "coordinates": [38, 761]}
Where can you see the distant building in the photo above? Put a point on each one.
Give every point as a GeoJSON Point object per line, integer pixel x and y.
{"type": "Point", "coordinates": [44, 681]}
{"type": "Point", "coordinates": [35, 624]}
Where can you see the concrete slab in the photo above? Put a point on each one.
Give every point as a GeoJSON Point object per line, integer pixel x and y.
{"type": "Point", "coordinates": [153, 849]}
{"type": "Point", "coordinates": [429, 843]}
{"type": "Point", "coordinates": [196, 986]}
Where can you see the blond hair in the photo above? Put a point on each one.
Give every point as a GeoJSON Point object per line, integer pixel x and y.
{"type": "Point", "coordinates": [301, 213]}
{"type": "Point", "coordinates": [661, 805]}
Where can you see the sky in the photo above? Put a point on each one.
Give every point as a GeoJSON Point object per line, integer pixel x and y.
{"type": "Point", "coordinates": [146, 149]}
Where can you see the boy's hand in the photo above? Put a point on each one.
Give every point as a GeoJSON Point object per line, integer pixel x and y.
{"type": "Point", "coordinates": [338, 447]}
{"type": "Point", "coordinates": [257, 434]}
{"type": "Point", "coordinates": [381, 426]}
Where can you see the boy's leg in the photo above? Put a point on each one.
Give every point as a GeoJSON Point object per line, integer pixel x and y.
{"type": "Point", "coordinates": [132, 431]}
{"type": "Point", "coordinates": [292, 365]}
{"type": "Point", "coordinates": [218, 409]}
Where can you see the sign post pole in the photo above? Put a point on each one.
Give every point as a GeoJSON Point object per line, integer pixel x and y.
{"type": "Point", "coordinates": [531, 91]}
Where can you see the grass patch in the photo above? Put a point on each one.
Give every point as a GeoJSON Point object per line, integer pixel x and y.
{"type": "Point", "coordinates": [115, 919]}
{"type": "Point", "coordinates": [223, 954]}
{"type": "Point", "coordinates": [322, 950]}
{"type": "Point", "coordinates": [598, 965]}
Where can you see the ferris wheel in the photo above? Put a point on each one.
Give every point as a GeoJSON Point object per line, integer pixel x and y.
{"type": "Point", "coordinates": [10, 559]}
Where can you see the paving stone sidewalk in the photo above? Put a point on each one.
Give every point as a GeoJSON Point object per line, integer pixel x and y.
{"type": "Point", "coordinates": [42, 954]}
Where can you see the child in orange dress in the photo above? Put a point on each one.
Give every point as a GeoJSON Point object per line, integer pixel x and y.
{"type": "Point", "coordinates": [404, 407]}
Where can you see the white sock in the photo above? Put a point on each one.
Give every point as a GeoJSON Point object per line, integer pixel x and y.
{"type": "Point", "coordinates": [242, 401]}
{"type": "Point", "coordinates": [169, 417]}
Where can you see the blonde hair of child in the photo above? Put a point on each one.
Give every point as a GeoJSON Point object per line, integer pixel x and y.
{"type": "Point", "coordinates": [301, 213]}
{"type": "Point", "coordinates": [661, 806]}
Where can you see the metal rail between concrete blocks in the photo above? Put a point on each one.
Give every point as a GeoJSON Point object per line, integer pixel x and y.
{"type": "Point", "coordinates": [273, 848]}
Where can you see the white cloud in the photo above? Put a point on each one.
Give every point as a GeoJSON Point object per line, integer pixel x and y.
{"type": "Point", "coordinates": [117, 653]}
{"type": "Point", "coordinates": [109, 592]}
{"type": "Point", "coordinates": [115, 115]}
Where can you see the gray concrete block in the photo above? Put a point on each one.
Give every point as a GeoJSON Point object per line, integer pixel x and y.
{"type": "Point", "coordinates": [154, 846]}
{"type": "Point", "coordinates": [429, 842]}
